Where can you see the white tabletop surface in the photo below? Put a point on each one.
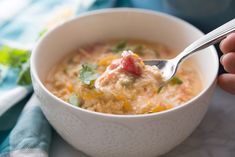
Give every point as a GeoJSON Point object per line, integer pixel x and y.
{"type": "Point", "coordinates": [215, 136]}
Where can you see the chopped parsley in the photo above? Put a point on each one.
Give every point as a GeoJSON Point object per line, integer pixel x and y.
{"type": "Point", "coordinates": [120, 46]}
{"type": "Point", "coordinates": [160, 89]}
{"type": "Point", "coordinates": [74, 100]}
{"type": "Point", "coordinates": [138, 49]}
{"type": "Point", "coordinates": [88, 73]}
{"type": "Point", "coordinates": [175, 81]}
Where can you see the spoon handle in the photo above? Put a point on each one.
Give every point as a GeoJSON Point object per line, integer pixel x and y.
{"type": "Point", "coordinates": [209, 39]}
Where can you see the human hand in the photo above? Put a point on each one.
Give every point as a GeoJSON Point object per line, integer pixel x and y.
{"type": "Point", "coordinates": [227, 81]}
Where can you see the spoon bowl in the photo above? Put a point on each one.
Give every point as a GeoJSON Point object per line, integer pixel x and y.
{"type": "Point", "coordinates": [169, 67]}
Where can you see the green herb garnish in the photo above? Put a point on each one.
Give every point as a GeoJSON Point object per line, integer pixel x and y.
{"type": "Point", "coordinates": [175, 81]}
{"type": "Point", "coordinates": [13, 57]}
{"type": "Point", "coordinates": [138, 49]}
{"type": "Point", "coordinates": [24, 75]}
{"type": "Point", "coordinates": [160, 89]}
{"type": "Point", "coordinates": [88, 73]}
{"type": "Point", "coordinates": [74, 100]}
{"type": "Point", "coordinates": [120, 46]}
{"type": "Point", "coordinates": [17, 59]}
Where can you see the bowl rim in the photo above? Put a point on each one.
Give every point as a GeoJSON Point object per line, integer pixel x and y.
{"type": "Point", "coordinates": [34, 73]}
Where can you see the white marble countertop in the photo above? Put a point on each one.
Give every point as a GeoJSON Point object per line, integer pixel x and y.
{"type": "Point", "coordinates": [215, 136]}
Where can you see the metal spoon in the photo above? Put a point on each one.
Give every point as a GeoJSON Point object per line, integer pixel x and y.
{"type": "Point", "coordinates": [169, 67]}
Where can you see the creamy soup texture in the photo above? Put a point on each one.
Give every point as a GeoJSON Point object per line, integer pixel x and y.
{"type": "Point", "coordinates": [110, 77]}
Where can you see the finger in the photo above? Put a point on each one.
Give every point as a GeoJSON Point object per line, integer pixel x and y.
{"type": "Point", "coordinates": [228, 61]}
{"type": "Point", "coordinates": [227, 82]}
{"type": "Point", "coordinates": [228, 44]}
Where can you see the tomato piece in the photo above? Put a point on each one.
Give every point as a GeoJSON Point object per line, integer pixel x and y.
{"type": "Point", "coordinates": [130, 64]}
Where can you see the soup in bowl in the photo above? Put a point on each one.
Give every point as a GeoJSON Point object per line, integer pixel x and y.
{"type": "Point", "coordinates": [110, 77]}
{"type": "Point", "coordinates": [99, 96]}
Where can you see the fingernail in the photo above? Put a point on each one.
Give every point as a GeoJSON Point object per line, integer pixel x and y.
{"type": "Point", "coordinates": [221, 59]}
{"type": "Point", "coordinates": [221, 43]}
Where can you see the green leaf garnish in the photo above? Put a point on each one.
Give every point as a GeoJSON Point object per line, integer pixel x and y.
{"type": "Point", "coordinates": [13, 57]}
{"type": "Point", "coordinates": [74, 100]}
{"type": "Point", "coordinates": [120, 46]}
{"type": "Point", "coordinates": [24, 75]}
{"type": "Point", "coordinates": [138, 49]}
{"type": "Point", "coordinates": [159, 89]}
{"type": "Point", "coordinates": [88, 73]}
{"type": "Point", "coordinates": [175, 81]}
{"type": "Point", "coordinates": [18, 59]}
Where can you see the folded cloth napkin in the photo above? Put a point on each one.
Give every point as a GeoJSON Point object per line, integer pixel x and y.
{"type": "Point", "coordinates": [24, 131]}
{"type": "Point", "coordinates": [29, 135]}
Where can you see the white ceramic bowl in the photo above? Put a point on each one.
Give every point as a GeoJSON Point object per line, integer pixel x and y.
{"type": "Point", "coordinates": [105, 135]}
